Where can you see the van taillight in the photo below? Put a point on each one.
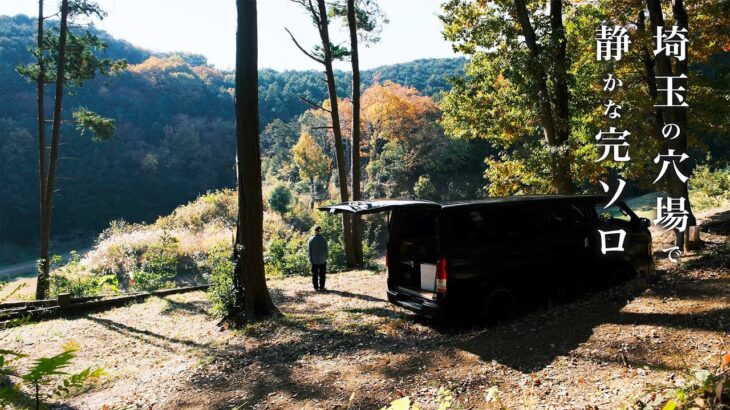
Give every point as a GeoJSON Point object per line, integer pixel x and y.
{"type": "Point", "coordinates": [387, 260]}
{"type": "Point", "coordinates": [441, 276]}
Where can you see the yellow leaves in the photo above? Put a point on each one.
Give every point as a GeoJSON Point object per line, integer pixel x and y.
{"type": "Point", "coordinates": [511, 176]}
{"type": "Point", "coordinates": [70, 346]}
{"type": "Point", "coordinates": [671, 405]}
{"type": "Point", "coordinates": [310, 158]}
{"type": "Point", "coordinates": [403, 403]}
{"type": "Point", "coordinates": [163, 64]}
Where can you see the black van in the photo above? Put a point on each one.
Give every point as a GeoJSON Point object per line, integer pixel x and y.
{"type": "Point", "coordinates": [488, 255]}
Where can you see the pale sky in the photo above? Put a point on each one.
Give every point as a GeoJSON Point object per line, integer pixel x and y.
{"type": "Point", "coordinates": [208, 27]}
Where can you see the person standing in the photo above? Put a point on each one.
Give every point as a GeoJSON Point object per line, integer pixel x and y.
{"type": "Point", "coordinates": [318, 252]}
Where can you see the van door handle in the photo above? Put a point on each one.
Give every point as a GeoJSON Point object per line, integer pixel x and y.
{"type": "Point", "coordinates": [585, 242]}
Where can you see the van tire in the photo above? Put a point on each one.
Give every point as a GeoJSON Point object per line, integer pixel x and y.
{"type": "Point", "coordinates": [620, 274]}
{"type": "Point", "coordinates": [498, 305]}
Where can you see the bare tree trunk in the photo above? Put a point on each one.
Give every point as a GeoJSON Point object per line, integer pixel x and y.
{"type": "Point", "coordinates": [40, 86]}
{"type": "Point", "coordinates": [314, 194]}
{"type": "Point", "coordinates": [562, 96]}
{"type": "Point", "coordinates": [252, 295]}
{"type": "Point", "coordinates": [675, 115]}
{"type": "Point", "coordinates": [336, 130]}
{"type": "Point", "coordinates": [649, 75]}
{"type": "Point", "coordinates": [562, 180]}
{"type": "Point", "coordinates": [47, 208]}
{"type": "Point", "coordinates": [354, 56]}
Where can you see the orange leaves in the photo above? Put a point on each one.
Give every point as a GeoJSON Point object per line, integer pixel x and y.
{"type": "Point", "coordinates": [160, 64]}
{"type": "Point", "coordinates": [725, 361]}
{"type": "Point", "coordinates": [394, 111]}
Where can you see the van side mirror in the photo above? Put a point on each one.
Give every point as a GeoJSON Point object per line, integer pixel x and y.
{"type": "Point", "coordinates": [644, 222]}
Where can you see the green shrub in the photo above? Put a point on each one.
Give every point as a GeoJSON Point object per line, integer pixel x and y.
{"type": "Point", "coordinates": [709, 188]}
{"type": "Point", "coordinates": [279, 199]}
{"type": "Point", "coordinates": [699, 388]}
{"type": "Point", "coordinates": [73, 279]}
{"type": "Point", "coordinates": [287, 255]}
{"type": "Point", "coordinates": [425, 188]}
{"type": "Point", "coordinates": [220, 268]}
{"type": "Point", "coordinates": [301, 217]}
{"type": "Point", "coordinates": [160, 265]}
{"type": "Point", "coordinates": [218, 207]}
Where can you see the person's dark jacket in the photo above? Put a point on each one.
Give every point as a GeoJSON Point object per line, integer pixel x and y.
{"type": "Point", "coordinates": [318, 250]}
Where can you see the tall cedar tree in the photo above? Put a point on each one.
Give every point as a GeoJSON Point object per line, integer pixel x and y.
{"type": "Point", "coordinates": [675, 115]}
{"type": "Point", "coordinates": [74, 62]}
{"type": "Point", "coordinates": [325, 55]}
{"type": "Point", "coordinates": [356, 195]}
{"type": "Point", "coordinates": [252, 299]}
{"type": "Point", "coordinates": [45, 263]}
{"type": "Point", "coordinates": [43, 280]}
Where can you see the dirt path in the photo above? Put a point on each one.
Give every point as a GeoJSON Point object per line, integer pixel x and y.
{"type": "Point", "coordinates": [21, 278]}
{"type": "Point", "coordinates": [349, 347]}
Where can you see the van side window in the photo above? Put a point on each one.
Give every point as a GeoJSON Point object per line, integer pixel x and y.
{"type": "Point", "coordinates": [568, 215]}
{"type": "Point", "coordinates": [476, 227]}
{"type": "Point", "coordinates": [612, 212]}
{"type": "Point", "coordinates": [468, 226]}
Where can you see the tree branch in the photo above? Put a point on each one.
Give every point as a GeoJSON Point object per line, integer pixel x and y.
{"type": "Point", "coordinates": [302, 49]}
{"type": "Point", "coordinates": [313, 104]}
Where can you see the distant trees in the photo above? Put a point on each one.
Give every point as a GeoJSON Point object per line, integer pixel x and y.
{"type": "Point", "coordinates": [312, 163]}
{"type": "Point", "coordinates": [252, 300]}
{"type": "Point", "coordinates": [152, 103]}
{"type": "Point", "coordinates": [277, 140]}
{"type": "Point", "coordinates": [402, 143]}
{"type": "Point", "coordinates": [71, 55]}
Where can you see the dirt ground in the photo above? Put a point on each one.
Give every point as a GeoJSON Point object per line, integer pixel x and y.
{"type": "Point", "coordinates": [350, 348]}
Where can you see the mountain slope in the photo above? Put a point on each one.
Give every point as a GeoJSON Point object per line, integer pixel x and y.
{"type": "Point", "coordinates": [174, 139]}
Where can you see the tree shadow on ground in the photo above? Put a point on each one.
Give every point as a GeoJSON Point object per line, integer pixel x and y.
{"type": "Point", "coordinates": [146, 336]}
{"type": "Point", "coordinates": [302, 296]}
{"type": "Point", "coordinates": [192, 308]}
{"type": "Point", "coordinates": [530, 343]}
{"type": "Point", "coordinates": [281, 362]}
{"type": "Point", "coordinates": [718, 223]}
{"type": "Point", "coordinates": [355, 296]}
{"type": "Point", "coordinates": [534, 341]}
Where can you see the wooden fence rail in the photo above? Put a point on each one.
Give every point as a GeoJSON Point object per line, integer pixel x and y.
{"type": "Point", "coordinates": [49, 308]}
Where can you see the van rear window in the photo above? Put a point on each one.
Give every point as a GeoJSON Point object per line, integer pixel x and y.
{"type": "Point", "coordinates": [418, 224]}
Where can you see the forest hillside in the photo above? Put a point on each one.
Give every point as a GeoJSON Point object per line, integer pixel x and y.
{"type": "Point", "coordinates": [174, 134]}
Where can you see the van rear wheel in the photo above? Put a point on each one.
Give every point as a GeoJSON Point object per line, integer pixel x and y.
{"type": "Point", "coordinates": [498, 305]}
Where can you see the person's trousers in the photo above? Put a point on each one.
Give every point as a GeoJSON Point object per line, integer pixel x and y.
{"type": "Point", "coordinates": [318, 272]}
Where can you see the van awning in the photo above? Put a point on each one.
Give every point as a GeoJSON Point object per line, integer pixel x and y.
{"type": "Point", "coordinates": [370, 207]}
